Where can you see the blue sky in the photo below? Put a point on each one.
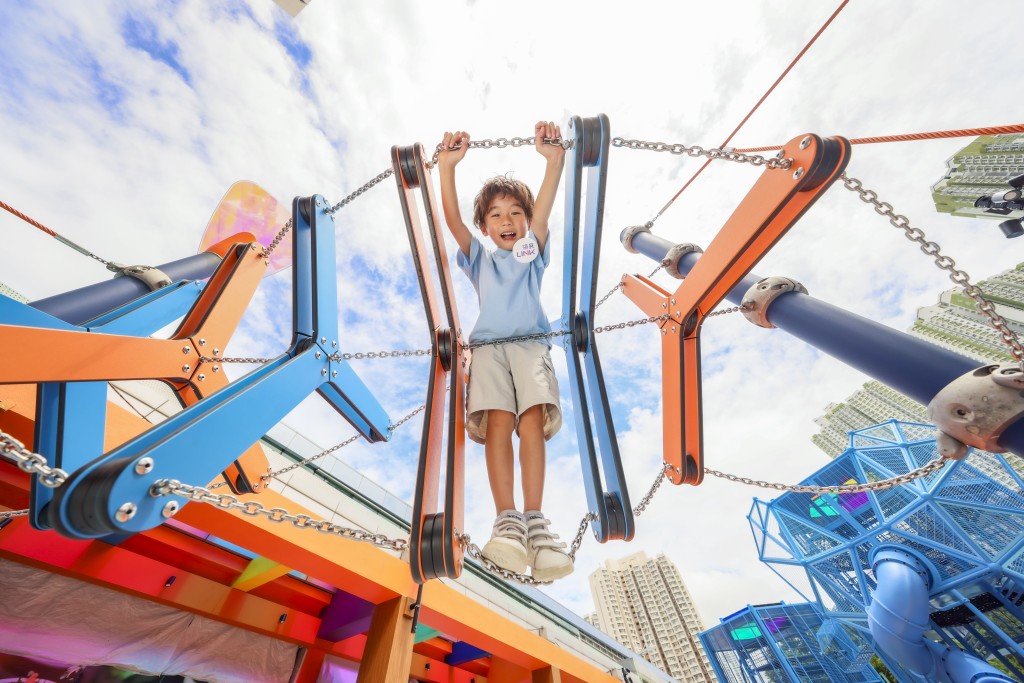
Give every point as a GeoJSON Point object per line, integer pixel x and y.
{"type": "Point", "coordinates": [122, 126]}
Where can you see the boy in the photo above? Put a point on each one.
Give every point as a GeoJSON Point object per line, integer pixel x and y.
{"type": "Point", "coordinates": [512, 385]}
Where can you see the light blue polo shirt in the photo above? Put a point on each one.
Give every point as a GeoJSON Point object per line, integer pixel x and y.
{"type": "Point", "coordinates": [508, 292]}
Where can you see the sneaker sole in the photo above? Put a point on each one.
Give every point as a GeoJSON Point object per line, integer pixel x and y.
{"type": "Point", "coordinates": [506, 555]}
{"type": "Point", "coordinates": [552, 573]}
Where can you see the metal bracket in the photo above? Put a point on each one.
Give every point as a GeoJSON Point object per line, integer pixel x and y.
{"type": "Point", "coordinates": [627, 236]}
{"type": "Point", "coordinates": [759, 297]}
{"type": "Point", "coordinates": [975, 409]}
{"type": "Point", "coordinates": [671, 261]}
{"type": "Point", "coordinates": [154, 278]}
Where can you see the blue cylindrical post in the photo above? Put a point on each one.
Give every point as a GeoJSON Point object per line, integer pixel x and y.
{"type": "Point", "coordinates": [912, 366]}
{"type": "Point", "coordinates": [85, 303]}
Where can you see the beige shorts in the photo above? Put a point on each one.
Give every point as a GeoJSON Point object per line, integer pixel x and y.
{"type": "Point", "coordinates": [511, 377]}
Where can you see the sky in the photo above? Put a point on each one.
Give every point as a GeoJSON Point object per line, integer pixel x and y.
{"type": "Point", "coordinates": [122, 125]}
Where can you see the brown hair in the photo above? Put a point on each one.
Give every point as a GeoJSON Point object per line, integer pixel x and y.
{"type": "Point", "coordinates": [501, 186]}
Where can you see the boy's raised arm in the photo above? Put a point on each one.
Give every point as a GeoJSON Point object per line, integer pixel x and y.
{"type": "Point", "coordinates": [554, 155]}
{"type": "Point", "coordinates": [446, 162]}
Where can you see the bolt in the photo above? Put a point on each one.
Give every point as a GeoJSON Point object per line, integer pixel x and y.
{"type": "Point", "coordinates": [324, 372]}
{"type": "Point", "coordinates": [334, 344]}
{"type": "Point", "coordinates": [798, 173]}
{"type": "Point", "coordinates": [334, 373]}
{"type": "Point", "coordinates": [201, 377]}
{"type": "Point", "coordinates": [664, 331]}
{"type": "Point", "coordinates": [664, 305]}
{"type": "Point", "coordinates": [216, 368]}
{"type": "Point", "coordinates": [323, 340]}
{"type": "Point", "coordinates": [202, 342]}
{"type": "Point", "coordinates": [679, 314]}
{"type": "Point", "coordinates": [673, 329]}
{"type": "Point", "coordinates": [144, 466]}
{"type": "Point", "coordinates": [318, 355]}
{"type": "Point", "coordinates": [805, 143]}
{"type": "Point", "coordinates": [169, 509]}
{"type": "Point", "coordinates": [216, 352]}
{"type": "Point", "coordinates": [186, 368]}
{"type": "Point", "coordinates": [673, 302]}
{"type": "Point", "coordinates": [185, 350]}
{"type": "Point", "coordinates": [252, 246]}
{"type": "Point", "coordinates": [126, 512]}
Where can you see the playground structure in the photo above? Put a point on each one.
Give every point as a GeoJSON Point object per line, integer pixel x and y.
{"type": "Point", "coordinates": [929, 571]}
{"type": "Point", "coordinates": [136, 487]}
{"type": "Point", "coordinates": [788, 642]}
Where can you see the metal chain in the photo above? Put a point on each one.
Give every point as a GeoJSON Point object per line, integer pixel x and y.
{"type": "Point", "coordinates": [698, 151]}
{"type": "Point", "coordinates": [33, 463]}
{"type": "Point", "coordinates": [352, 439]}
{"type": "Point", "coordinates": [406, 353]}
{"type": "Point", "coordinates": [646, 500]}
{"type": "Point", "coordinates": [946, 263]}
{"type": "Point", "coordinates": [881, 485]}
{"type": "Point", "coordinates": [380, 177]}
{"type": "Point", "coordinates": [254, 508]}
{"type": "Point", "coordinates": [500, 143]}
{"type": "Point", "coordinates": [277, 239]}
{"type": "Point", "coordinates": [11, 514]}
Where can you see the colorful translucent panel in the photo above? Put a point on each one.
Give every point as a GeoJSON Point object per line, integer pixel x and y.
{"type": "Point", "coordinates": [748, 632]}
{"type": "Point", "coordinates": [247, 207]}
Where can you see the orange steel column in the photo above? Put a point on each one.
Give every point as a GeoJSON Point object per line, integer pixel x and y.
{"type": "Point", "coordinates": [775, 202]}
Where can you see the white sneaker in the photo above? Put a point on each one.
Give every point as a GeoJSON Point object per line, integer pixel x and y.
{"type": "Point", "coordinates": [507, 547]}
{"type": "Point", "coordinates": [546, 554]}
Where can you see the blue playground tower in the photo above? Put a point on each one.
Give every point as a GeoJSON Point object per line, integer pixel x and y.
{"type": "Point", "coordinates": [924, 569]}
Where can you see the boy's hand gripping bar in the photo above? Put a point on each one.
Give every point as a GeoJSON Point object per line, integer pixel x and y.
{"type": "Point", "coordinates": [591, 138]}
{"type": "Point", "coordinates": [774, 204]}
{"type": "Point", "coordinates": [434, 547]}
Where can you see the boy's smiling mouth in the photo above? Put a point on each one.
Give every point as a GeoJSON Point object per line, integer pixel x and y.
{"type": "Point", "coordinates": [508, 235]}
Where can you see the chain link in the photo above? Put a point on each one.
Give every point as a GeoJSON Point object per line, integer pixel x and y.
{"type": "Point", "coordinates": [254, 508]}
{"type": "Point", "coordinates": [646, 500]}
{"type": "Point", "coordinates": [406, 353]}
{"type": "Point", "coordinates": [352, 439]}
{"type": "Point", "coordinates": [11, 514]}
{"type": "Point", "coordinates": [881, 485]}
{"type": "Point", "coordinates": [366, 186]}
{"type": "Point", "coordinates": [33, 463]}
{"type": "Point", "coordinates": [500, 143]}
{"type": "Point", "coordinates": [277, 239]}
{"type": "Point", "coordinates": [698, 151]}
{"type": "Point", "coordinates": [946, 263]}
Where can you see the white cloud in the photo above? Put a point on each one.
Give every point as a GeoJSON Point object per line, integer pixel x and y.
{"type": "Point", "coordinates": [114, 149]}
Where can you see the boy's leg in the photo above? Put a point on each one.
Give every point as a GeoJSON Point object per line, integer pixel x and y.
{"type": "Point", "coordinates": [500, 462]}
{"type": "Point", "coordinates": [532, 456]}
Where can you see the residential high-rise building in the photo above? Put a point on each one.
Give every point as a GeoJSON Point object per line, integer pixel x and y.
{"type": "Point", "coordinates": [644, 604]}
{"type": "Point", "coordinates": [979, 169]}
{"type": "Point", "coordinates": [952, 323]}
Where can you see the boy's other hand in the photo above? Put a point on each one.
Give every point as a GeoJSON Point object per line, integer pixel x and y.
{"type": "Point", "coordinates": [450, 156]}
{"type": "Point", "coordinates": [548, 129]}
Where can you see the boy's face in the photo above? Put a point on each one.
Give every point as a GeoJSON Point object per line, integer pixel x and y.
{"type": "Point", "coordinates": [505, 221]}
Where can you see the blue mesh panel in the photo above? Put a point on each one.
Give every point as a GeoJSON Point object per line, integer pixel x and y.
{"type": "Point", "coordinates": [921, 454]}
{"type": "Point", "coordinates": [893, 501]}
{"type": "Point", "coordinates": [809, 539]}
{"type": "Point", "coordinates": [1016, 564]}
{"type": "Point", "coordinates": [926, 523]}
{"type": "Point", "coordinates": [949, 566]}
{"type": "Point", "coordinates": [992, 531]}
{"type": "Point", "coordinates": [916, 432]}
{"type": "Point", "coordinates": [882, 432]}
{"type": "Point", "coordinates": [842, 576]}
{"type": "Point", "coordinates": [892, 459]}
{"type": "Point", "coordinates": [971, 485]}
{"type": "Point", "coordinates": [860, 441]}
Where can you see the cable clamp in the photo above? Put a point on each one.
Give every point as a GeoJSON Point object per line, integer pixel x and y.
{"type": "Point", "coordinates": [766, 290]}
{"type": "Point", "coordinates": [671, 261]}
{"type": "Point", "coordinates": [976, 408]}
{"type": "Point", "coordinates": [154, 278]}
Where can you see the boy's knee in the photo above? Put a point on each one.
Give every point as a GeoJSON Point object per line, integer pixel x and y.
{"type": "Point", "coordinates": [501, 421]}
